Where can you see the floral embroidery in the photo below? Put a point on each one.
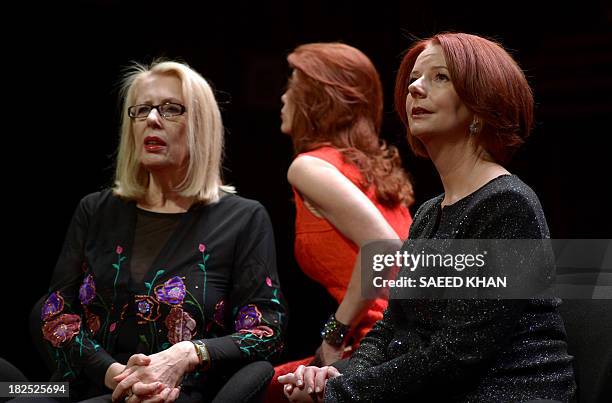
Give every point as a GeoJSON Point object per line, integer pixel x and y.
{"type": "Point", "coordinates": [112, 327]}
{"type": "Point", "coordinates": [117, 267]}
{"type": "Point", "coordinates": [87, 292]}
{"type": "Point", "coordinates": [269, 281]}
{"type": "Point", "coordinates": [93, 322]}
{"type": "Point", "coordinates": [123, 312]}
{"type": "Point", "coordinates": [52, 306]}
{"type": "Point", "coordinates": [172, 292]}
{"type": "Point", "coordinates": [202, 266]}
{"type": "Point", "coordinates": [147, 308]}
{"type": "Point", "coordinates": [181, 326]}
{"type": "Point", "coordinates": [61, 329]}
{"type": "Point", "coordinates": [247, 318]}
{"type": "Point", "coordinates": [150, 285]}
{"type": "Point", "coordinates": [219, 313]}
{"type": "Point", "coordinates": [259, 331]}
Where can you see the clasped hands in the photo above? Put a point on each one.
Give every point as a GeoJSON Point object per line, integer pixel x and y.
{"type": "Point", "coordinates": [155, 378]}
{"type": "Point", "coordinates": [307, 384]}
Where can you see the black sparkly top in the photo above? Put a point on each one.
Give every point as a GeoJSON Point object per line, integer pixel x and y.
{"type": "Point", "coordinates": [466, 350]}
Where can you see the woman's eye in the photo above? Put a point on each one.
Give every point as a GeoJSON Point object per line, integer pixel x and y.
{"type": "Point", "coordinates": [442, 77]}
{"type": "Point", "coordinates": [411, 80]}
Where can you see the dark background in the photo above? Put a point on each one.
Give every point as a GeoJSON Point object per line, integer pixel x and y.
{"type": "Point", "coordinates": [62, 63]}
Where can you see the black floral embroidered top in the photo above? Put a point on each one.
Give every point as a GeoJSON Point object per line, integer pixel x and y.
{"type": "Point", "coordinates": [214, 278]}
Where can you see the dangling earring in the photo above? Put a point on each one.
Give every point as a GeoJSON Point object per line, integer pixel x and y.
{"type": "Point", "coordinates": [474, 127]}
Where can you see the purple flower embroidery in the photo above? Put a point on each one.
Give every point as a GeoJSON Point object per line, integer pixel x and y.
{"type": "Point", "coordinates": [172, 292]}
{"type": "Point", "coordinates": [202, 248]}
{"type": "Point", "coordinates": [219, 314]}
{"type": "Point", "coordinates": [147, 308]}
{"type": "Point", "coordinates": [119, 250]}
{"type": "Point", "coordinates": [180, 326]}
{"type": "Point", "coordinates": [87, 292]}
{"type": "Point", "coordinates": [112, 327]}
{"type": "Point", "coordinates": [62, 329]}
{"type": "Point", "coordinates": [53, 305]}
{"type": "Point", "coordinates": [247, 318]}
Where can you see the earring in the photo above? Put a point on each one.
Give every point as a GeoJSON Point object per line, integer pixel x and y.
{"type": "Point", "coordinates": [474, 128]}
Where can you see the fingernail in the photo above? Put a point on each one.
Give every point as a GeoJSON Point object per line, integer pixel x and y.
{"type": "Point", "coordinates": [300, 383]}
{"type": "Point", "coordinates": [309, 389]}
{"type": "Point", "coordinates": [318, 389]}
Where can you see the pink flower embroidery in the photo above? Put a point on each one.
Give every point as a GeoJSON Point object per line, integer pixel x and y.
{"type": "Point", "coordinates": [119, 249]}
{"type": "Point", "coordinates": [62, 329]}
{"type": "Point", "coordinates": [202, 248]}
{"type": "Point", "coordinates": [112, 326]}
{"type": "Point", "coordinates": [259, 331]}
{"type": "Point", "coordinates": [269, 281]}
{"type": "Point", "coordinates": [180, 326]}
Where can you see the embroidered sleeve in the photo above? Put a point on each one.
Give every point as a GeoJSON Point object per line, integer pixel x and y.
{"type": "Point", "coordinates": [257, 306]}
{"type": "Point", "coordinates": [67, 325]}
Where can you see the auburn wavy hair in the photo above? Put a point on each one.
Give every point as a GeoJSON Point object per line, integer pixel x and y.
{"type": "Point", "coordinates": [337, 98]}
{"type": "Point", "coordinates": [488, 81]}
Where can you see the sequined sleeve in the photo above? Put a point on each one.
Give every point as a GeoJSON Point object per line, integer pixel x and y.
{"type": "Point", "coordinates": [256, 303]}
{"type": "Point", "coordinates": [66, 326]}
{"type": "Point", "coordinates": [373, 347]}
{"type": "Point", "coordinates": [413, 359]}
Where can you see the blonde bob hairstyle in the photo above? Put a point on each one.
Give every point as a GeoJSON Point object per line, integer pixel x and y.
{"type": "Point", "coordinates": [204, 136]}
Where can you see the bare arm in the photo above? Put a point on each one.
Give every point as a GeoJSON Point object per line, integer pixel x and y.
{"type": "Point", "coordinates": [348, 209]}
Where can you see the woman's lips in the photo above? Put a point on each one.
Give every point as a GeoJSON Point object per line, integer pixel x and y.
{"type": "Point", "coordinates": [154, 144]}
{"type": "Point", "coordinates": [419, 112]}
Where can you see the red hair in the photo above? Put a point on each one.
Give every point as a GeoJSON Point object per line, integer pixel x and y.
{"type": "Point", "coordinates": [490, 84]}
{"type": "Point", "coordinates": [337, 98]}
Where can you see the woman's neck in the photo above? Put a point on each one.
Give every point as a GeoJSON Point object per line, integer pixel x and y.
{"type": "Point", "coordinates": [463, 169]}
{"type": "Point", "coordinates": [161, 196]}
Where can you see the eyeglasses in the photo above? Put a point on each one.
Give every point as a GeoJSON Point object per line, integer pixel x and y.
{"type": "Point", "coordinates": [166, 110]}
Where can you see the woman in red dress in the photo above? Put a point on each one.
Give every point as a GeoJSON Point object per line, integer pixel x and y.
{"type": "Point", "coordinates": [348, 184]}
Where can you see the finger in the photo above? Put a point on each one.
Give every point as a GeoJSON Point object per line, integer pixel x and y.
{"type": "Point", "coordinates": [288, 389]}
{"type": "Point", "coordinates": [123, 387]}
{"type": "Point", "coordinates": [332, 372]}
{"type": "Point", "coordinates": [133, 399]}
{"type": "Point", "coordinates": [160, 397]}
{"type": "Point", "coordinates": [123, 375]}
{"type": "Point", "coordinates": [126, 372]}
{"type": "Point", "coordinates": [139, 359]}
{"type": "Point", "coordinates": [319, 380]}
{"type": "Point", "coordinates": [145, 389]}
{"type": "Point", "coordinates": [174, 395]}
{"type": "Point", "coordinates": [309, 375]}
{"type": "Point", "coordinates": [287, 378]}
{"type": "Point", "coordinates": [299, 375]}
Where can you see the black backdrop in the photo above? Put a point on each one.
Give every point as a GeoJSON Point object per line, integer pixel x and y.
{"type": "Point", "coordinates": [61, 69]}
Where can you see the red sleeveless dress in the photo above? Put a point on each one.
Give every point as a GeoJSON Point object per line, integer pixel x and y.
{"type": "Point", "coordinates": [328, 257]}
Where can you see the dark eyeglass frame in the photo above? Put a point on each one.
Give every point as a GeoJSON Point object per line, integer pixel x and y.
{"type": "Point", "coordinates": [132, 110]}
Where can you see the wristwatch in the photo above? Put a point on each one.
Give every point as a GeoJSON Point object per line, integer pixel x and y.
{"type": "Point", "coordinates": [203, 355]}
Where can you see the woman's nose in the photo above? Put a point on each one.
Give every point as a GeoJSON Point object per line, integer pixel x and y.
{"type": "Point", "coordinates": [416, 89]}
{"type": "Point", "coordinates": [154, 118]}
